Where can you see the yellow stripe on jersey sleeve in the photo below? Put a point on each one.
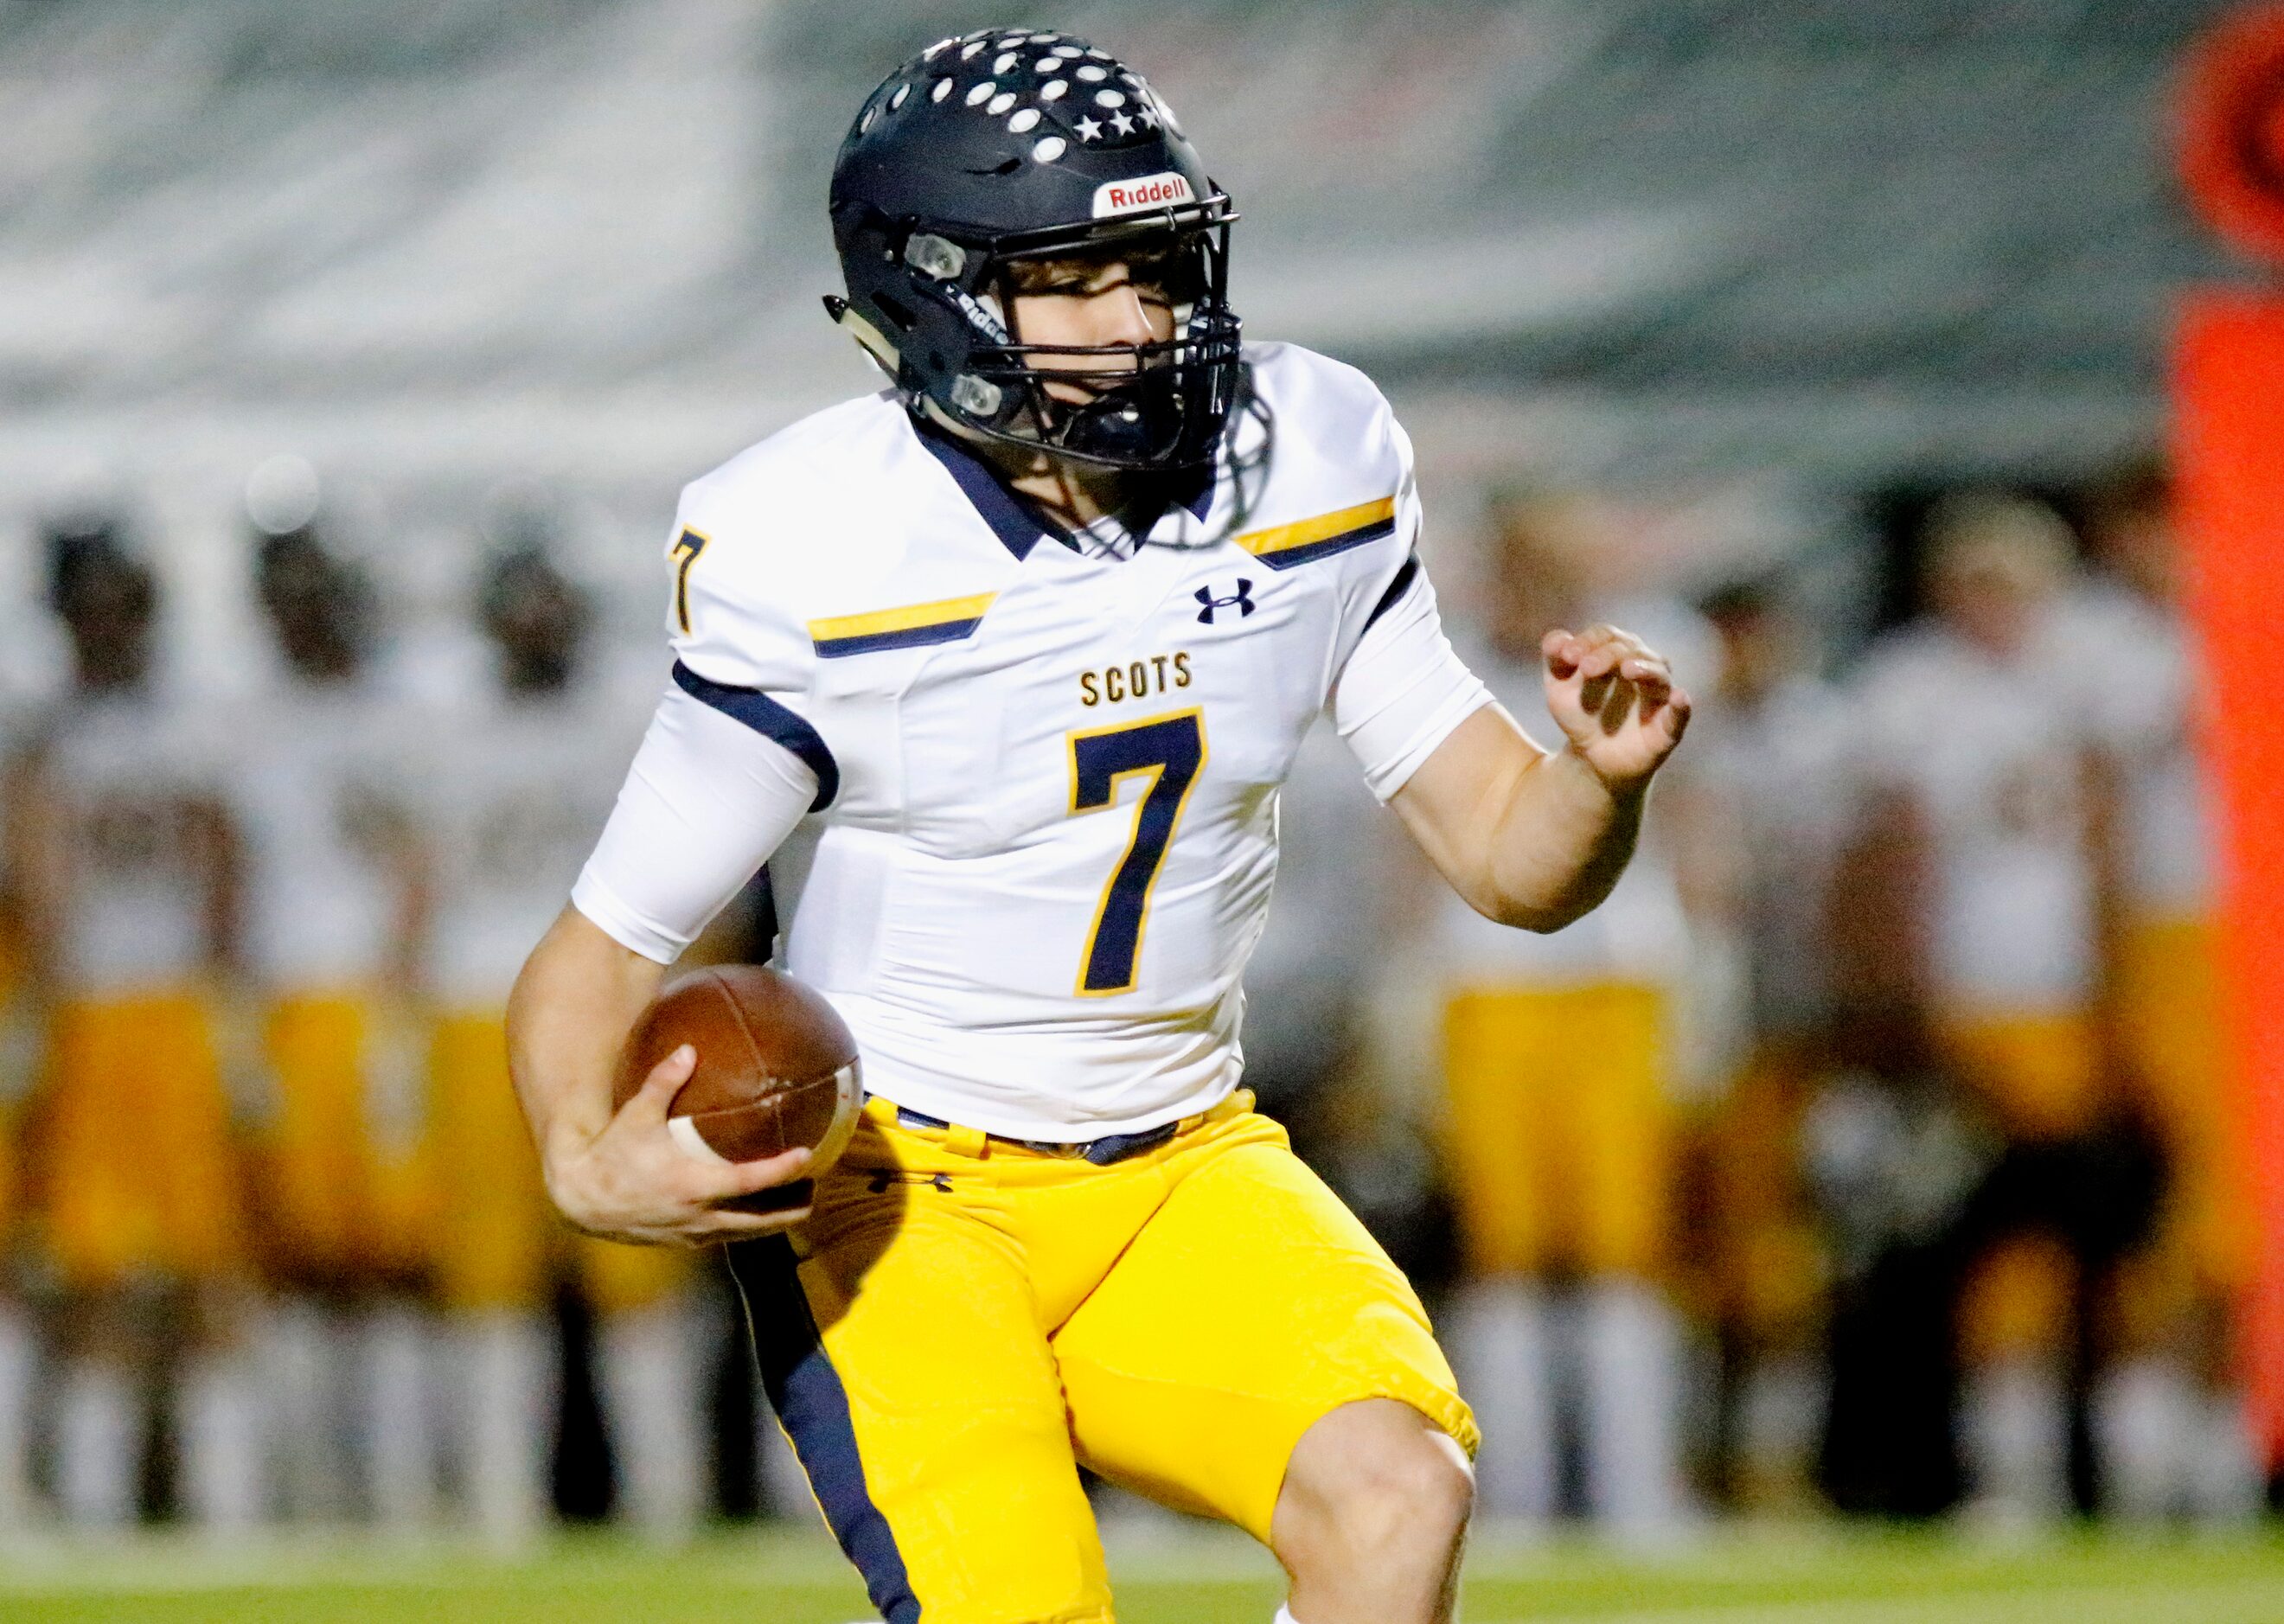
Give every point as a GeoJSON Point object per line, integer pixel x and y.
{"type": "Point", "coordinates": [1285, 545]}
{"type": "Point", "coordinates": [912, 626]}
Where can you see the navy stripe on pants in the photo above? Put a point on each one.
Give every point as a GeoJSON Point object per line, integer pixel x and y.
{"type": "Point", "coordinates": [806, 1392]}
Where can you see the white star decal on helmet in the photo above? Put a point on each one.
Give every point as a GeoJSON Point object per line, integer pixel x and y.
{"type": "Point", "coordinates": [1088, 130]}
{"type": "Point", "coordinates": [1149, 119]}
{"type": "Point", "coordinates": [1122, 124]}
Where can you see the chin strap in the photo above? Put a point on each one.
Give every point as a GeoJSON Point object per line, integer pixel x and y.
{"type": "Point", "coordinates": [869, 338]}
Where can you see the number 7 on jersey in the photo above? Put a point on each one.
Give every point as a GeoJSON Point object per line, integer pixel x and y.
{"type": "Point", "coordinates": [1170, 750]}
{"type": "Point", "coordinates": [687, 546]}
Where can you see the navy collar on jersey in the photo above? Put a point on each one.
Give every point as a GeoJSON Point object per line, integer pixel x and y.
{"type": "Point", "coordinates": [1014, 519]}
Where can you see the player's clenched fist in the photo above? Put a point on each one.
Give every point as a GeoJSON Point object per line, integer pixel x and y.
{"type": "Point", "coordinates": [1614, 698]}
{"type": "Point", "coordinates": [635, 1182]}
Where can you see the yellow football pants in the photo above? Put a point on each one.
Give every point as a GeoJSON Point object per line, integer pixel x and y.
{"type": "Point", "coordinates": [497, 1238]}
{"type": "Point", "coordinates": [2169, 991]}
{"type": "Point", "coordinates": [1764, 1255]}
{"type": "Point", "coordinates": [494, 1226]}
{"type": "Point", "coordinates": [344, 1202]}
{"type": "Point", "coordinates": [136, 1164]}
{"type": "Point", "coordinates": [1559, 1139]}
{"type": "Point", "coordinates": [2041, 1073]}
{"type": "Point", "coordinates": [964, 1322]}
{"type": "Point", "coordinates": [2041, 1076]}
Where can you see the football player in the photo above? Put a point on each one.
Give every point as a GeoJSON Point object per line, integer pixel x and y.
{"type": "Point", "coordinates": [1559, 1074]}
{"type": "Point", "coordinates": [128, 874]}
{"type": "Point", "coordinates": [519, 785]}
{"type": "Point", "coordinates": [1000, 669]}
{"type": "Point", "coordinates": [335, 903]}
{"type": "Point", "coordinates": [1769, 752]}
{"type": "Point", "coordinates": [2167, 1419]}
{"type": "Point", "coordinates": [1973, 764]}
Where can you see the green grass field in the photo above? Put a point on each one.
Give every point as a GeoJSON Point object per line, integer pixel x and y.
{"type": "Point", "coordinates": [1798, 1576]}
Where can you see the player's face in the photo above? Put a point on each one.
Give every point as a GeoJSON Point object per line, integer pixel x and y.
{"type": "Point", "coordinates": [1756, 650]}
{"type": "Point", "coordinates": [1096, 302]}
{"type": "Point", "coordinates": [1533, 582]}
{"type": "Point", "coordinates": [110, 622]}
{"type": "Point", "coordinates": [539, 621]}
{"type": "Point", "coordinates": [1990, 599]}
{"type": "Point", "coordinates": [313, 607]}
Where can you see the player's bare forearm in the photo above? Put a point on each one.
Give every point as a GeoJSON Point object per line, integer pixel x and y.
{"type": "Point", "coordinates": [1537, 839]}
{"type": "Point", "coordinates": [1528, 837]}
{"type": "Point", "coordinates": [579, 995]}
{"type": "Point", "coordinates": [617, 1171]}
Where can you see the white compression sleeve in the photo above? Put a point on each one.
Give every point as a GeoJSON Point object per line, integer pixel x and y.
{"type": "Point", "coordinates": [1402, 691]}
{"type": "Point", "coordinates": [706, 802]}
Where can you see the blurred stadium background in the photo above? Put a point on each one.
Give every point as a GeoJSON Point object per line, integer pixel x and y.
{"type": "Point", "coordinates": [1874, 1154]}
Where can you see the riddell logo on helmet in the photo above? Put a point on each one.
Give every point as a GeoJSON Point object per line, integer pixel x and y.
{"type": "Point", "coordinates": [1150, 192]}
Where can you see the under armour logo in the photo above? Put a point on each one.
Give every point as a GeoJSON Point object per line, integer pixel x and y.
{"type": "Point", "coordinates": [1242, 597]}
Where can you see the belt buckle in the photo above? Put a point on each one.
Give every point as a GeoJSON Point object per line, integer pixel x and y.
{"type": "Point", "coordinates": [1061, 1150]}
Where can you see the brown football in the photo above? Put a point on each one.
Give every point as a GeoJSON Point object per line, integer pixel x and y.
{"type": "Point", "coordinates": [776, 1068]}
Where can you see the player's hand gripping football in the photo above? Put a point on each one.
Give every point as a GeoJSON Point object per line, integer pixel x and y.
{"type": "Point", "coordinates": [633, 1181]}
{"type": "Point", "coordinates": [1614, 698]}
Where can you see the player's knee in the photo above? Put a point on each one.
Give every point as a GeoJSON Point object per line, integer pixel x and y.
{"type": "Point", "coordinates": [1371, 1490]}
{"type": "Point", "coordinates": [1421, 1492]}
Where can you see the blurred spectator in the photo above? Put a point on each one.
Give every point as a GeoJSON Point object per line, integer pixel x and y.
{"type": "Point", "coordinates": [1558, 1076]}
{"type": "Point", "coordinates": [2168, 1421]}
{"type": "Point", "coordinates": [1768, 749]}
{"type": "Point", "coordinates": [520, 782]}
{"type": "Point", "coordinates": [129, 876]}
{"type": "Point", "coordinates": [1973, 757]}
{"type": "Point", "coordinates": [335, 901]}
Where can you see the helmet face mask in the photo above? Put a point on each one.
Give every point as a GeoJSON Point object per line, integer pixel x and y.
{"type": "Point", "coordinates": [944, 225]}
{"type": "Point", "coordinates": [1159, 404]}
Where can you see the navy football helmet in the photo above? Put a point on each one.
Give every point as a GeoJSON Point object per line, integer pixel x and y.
{"type": "Point", "coordinates": [1010, 145]}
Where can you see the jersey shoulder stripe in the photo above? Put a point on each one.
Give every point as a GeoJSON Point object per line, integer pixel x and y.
{"type": "Point", "coordinates": [913, 626]}
{"type": "Point", "coordinates": [1284, 546]}
{"type": "Point", "coordinates": [772, 720]}
{"type": "Point", "coordinates": [1396, 588]}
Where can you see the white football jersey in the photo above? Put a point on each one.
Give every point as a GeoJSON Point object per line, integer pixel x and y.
{"type": "Point", "coordinates": [1778, 771]}
{"type": "Point", "coordinates": [1992, 756]}
{"type": "Point", "coordinates": [319, 789]}
{"type": "Point", "coordinates": [2131, 662]}
{"type": "Point", "coordinates": [124, 772]}
{"type": "Point", "coordinates": [513, 790]}
{"type": "Point", "coordinates": [1045, 823]}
